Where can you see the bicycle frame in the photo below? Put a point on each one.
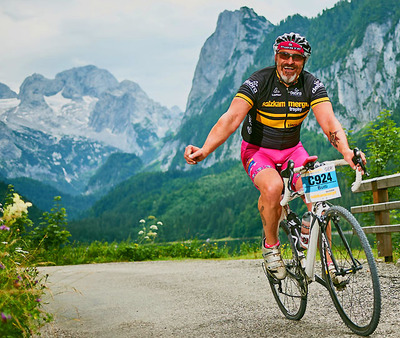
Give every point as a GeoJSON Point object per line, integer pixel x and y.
{"type": "Point", "coordinates": [316, 212]}
{"type": "Point", "coordinates": [349, 270]}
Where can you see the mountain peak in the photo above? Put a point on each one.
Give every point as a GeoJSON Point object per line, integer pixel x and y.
{"type": "Point", "coordinates": [6, 92]}
{"type": "Point", "coordinates": [86, 81]}
{"type": "Point", "coordinates": [34, 88]}
{"type": "Point", "coordinates": [231, 48]}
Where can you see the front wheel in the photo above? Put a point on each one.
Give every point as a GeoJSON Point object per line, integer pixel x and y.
{"type": "Point", "coordinates": [354, 283]}
{"type": "Point", "coordinates": [290, 293]}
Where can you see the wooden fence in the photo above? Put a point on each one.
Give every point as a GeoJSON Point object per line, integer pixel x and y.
{"type": "Point", "coordinates": [381, 206]}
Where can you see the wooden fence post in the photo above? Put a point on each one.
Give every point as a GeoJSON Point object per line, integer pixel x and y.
{"type": "Point", "coordinates": [384, 240]}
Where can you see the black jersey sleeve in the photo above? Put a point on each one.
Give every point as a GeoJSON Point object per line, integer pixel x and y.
{"type": "Point", "coordinates": [250, 89]}
{"type": "Point", "coordinates": [318, 92]}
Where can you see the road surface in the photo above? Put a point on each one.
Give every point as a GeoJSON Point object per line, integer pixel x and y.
{"type": "Point", "coordinates": [193, 298]}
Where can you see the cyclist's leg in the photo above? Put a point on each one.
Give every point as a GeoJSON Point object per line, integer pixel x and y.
{"type": "Point", "coordinates": [260, 168]}
{"type": "Point", "coordinates": [270, 185]}
{"type": "Point", "coordinates": [259, 164]}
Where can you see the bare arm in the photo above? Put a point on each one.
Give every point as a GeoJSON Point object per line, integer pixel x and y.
{"type": "Point", "coordinates": [333, 130]}
{"type": "Point", "coordinates": [225, 127]}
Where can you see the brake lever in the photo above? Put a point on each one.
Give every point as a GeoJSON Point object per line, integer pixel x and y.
{"type": "Point", "coordinates": [288, 173]}
{"type": "Point", "coordinates": [358, 160]}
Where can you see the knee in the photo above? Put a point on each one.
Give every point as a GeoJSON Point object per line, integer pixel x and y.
{"type": "Point", "coordinates": [271, 191]}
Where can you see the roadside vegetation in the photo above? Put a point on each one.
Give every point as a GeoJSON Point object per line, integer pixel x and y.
{"type": "Point", "coordinates": [21, 285]}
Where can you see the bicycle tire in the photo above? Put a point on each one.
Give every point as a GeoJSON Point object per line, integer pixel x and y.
{"type": "Point", "coordinates": [357, 298]}
{"type": "Point", "coordinates": [291, 292]}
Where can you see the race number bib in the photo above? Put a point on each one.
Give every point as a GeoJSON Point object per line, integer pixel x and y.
{"type": "Point", "coordinates": [320, 184]}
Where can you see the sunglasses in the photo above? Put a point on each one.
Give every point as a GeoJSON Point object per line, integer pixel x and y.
{"type": "Point", "coordinates": [287, 56]}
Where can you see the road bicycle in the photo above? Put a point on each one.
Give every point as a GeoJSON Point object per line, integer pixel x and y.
{"type": "Point", "coordinates": [353, 283]}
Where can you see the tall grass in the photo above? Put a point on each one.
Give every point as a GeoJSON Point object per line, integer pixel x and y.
{"type": "Point", "coordinates": [103, 252]}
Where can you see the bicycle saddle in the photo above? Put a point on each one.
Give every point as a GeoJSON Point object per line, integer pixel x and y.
{"type": "Point", "coordinates": [309, 161]}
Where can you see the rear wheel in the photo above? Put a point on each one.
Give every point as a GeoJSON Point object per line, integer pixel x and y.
{"type": "Point", "coordinates": [354, 288]}
{"type": "Point", "coordinates": [290, 293]}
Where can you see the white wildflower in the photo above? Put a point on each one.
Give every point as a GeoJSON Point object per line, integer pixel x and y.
{"type": "Point", "coordinates": [21, 251]}
{"type": "Point", "coordinates": [154, 227]}
{"type": "Point", "coordinates": [16, 209]}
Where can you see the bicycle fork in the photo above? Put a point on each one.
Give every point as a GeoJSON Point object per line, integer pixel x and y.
{"type": "Point", "coordinates": [356, 265]}
{"type": "Point", "coordinates": [312, 249]}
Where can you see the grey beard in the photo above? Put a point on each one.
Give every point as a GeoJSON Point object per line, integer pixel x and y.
{"type": "Point", "coordinates": [289, 80]}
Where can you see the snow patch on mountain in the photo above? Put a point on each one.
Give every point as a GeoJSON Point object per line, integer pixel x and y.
{"type": "Point", "coordinates": [61, 130]}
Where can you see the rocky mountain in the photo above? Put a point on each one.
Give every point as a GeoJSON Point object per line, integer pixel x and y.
{"type": "Point", "coordinates": [230, 50]}
{"type": "Point", "coordinates": [362, 73]}
{"type": "Point", "coordinates": [224, 58]}
{"type": "Point", "coordinates": [64, 130]}
{"type": "Point", "coordinates": [355, 53]}
{"type": "Point", "coordinates": [6, 92]}
{"type": "Point", "coordinates": [61, 130]}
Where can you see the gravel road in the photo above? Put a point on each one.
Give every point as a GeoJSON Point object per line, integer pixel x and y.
{"type": "Point", "coordinates": [193, 298]}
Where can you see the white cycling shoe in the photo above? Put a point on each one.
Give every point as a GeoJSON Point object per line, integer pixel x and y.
{"type": "Point", "coordinates": [273, 261]}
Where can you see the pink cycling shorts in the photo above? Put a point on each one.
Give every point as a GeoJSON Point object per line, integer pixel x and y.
{"type": "Point", "coordinates": [256, 158]}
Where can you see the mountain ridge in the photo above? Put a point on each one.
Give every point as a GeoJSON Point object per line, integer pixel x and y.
{"type": "Point", "coordinates": [360, 75]}
{"type": "Point", "coordinates": [84, 111]}
{"type": "Point", "coordinates": [191, 206]}
{"type": "Point", "coordinates": [123, 118]}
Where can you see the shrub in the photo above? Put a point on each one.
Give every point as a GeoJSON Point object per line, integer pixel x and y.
{"type": "Point", "coordinates": [21, 287]}
{"type": "Point", "coordinates": [52, 233]}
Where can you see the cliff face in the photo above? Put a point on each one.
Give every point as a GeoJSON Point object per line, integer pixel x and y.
{"type": "Point", "coordinates": [360, 69]}
{"type": "Point", "coordinates": [367, 80]}
{"type": "Point", "coordinates": [224, 58]}
{"type": "Point", "coordinates": [229, 51]}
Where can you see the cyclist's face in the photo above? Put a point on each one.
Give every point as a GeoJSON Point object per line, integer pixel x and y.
{"type": "Point", "coordinates": [288, 68]}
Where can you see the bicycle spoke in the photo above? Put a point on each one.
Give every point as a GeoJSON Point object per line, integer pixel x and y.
{"type": "Point", "coordinates": [291, 292]}
{"type": "Point", "coordinates": [357, 296]}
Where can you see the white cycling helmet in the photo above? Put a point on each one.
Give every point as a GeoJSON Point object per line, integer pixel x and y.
{"type": "Point", "coordinates": [293, 41]}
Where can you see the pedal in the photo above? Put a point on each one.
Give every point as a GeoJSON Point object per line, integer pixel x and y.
{"type": "Point", "coordinates": [342, 285]}
{"type": "Point", "coordinates": [269, 275]}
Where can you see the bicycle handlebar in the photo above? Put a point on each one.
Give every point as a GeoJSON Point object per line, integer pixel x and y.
{"type": "Point", "coordinates": [357, 160]}
{"type": "Point", "coordinates": [289, 194]}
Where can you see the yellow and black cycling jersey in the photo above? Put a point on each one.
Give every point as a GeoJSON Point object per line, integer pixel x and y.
{"type": "Point", "coordinates": [277, 111]}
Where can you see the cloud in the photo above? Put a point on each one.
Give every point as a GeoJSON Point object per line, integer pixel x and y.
{"type": "Point", "coordinates": [155, 42]}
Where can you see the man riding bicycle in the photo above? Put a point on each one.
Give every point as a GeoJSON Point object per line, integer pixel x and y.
{"type": "Point", "coordinates": [272, 105]}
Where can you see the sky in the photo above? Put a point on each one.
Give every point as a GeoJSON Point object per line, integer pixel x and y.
{"type": "Point", "coordinates": [155, 43]}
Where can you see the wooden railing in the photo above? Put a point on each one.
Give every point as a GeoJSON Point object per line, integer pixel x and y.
{"type": "Point", "coordinates": [381, 206]}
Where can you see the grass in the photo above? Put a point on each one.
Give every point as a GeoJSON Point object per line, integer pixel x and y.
{"type": "Point", "coordinates": [126, 251]}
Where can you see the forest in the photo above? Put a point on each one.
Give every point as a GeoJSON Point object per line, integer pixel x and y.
{"type": "Point", "coordinates": [221, 201]}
